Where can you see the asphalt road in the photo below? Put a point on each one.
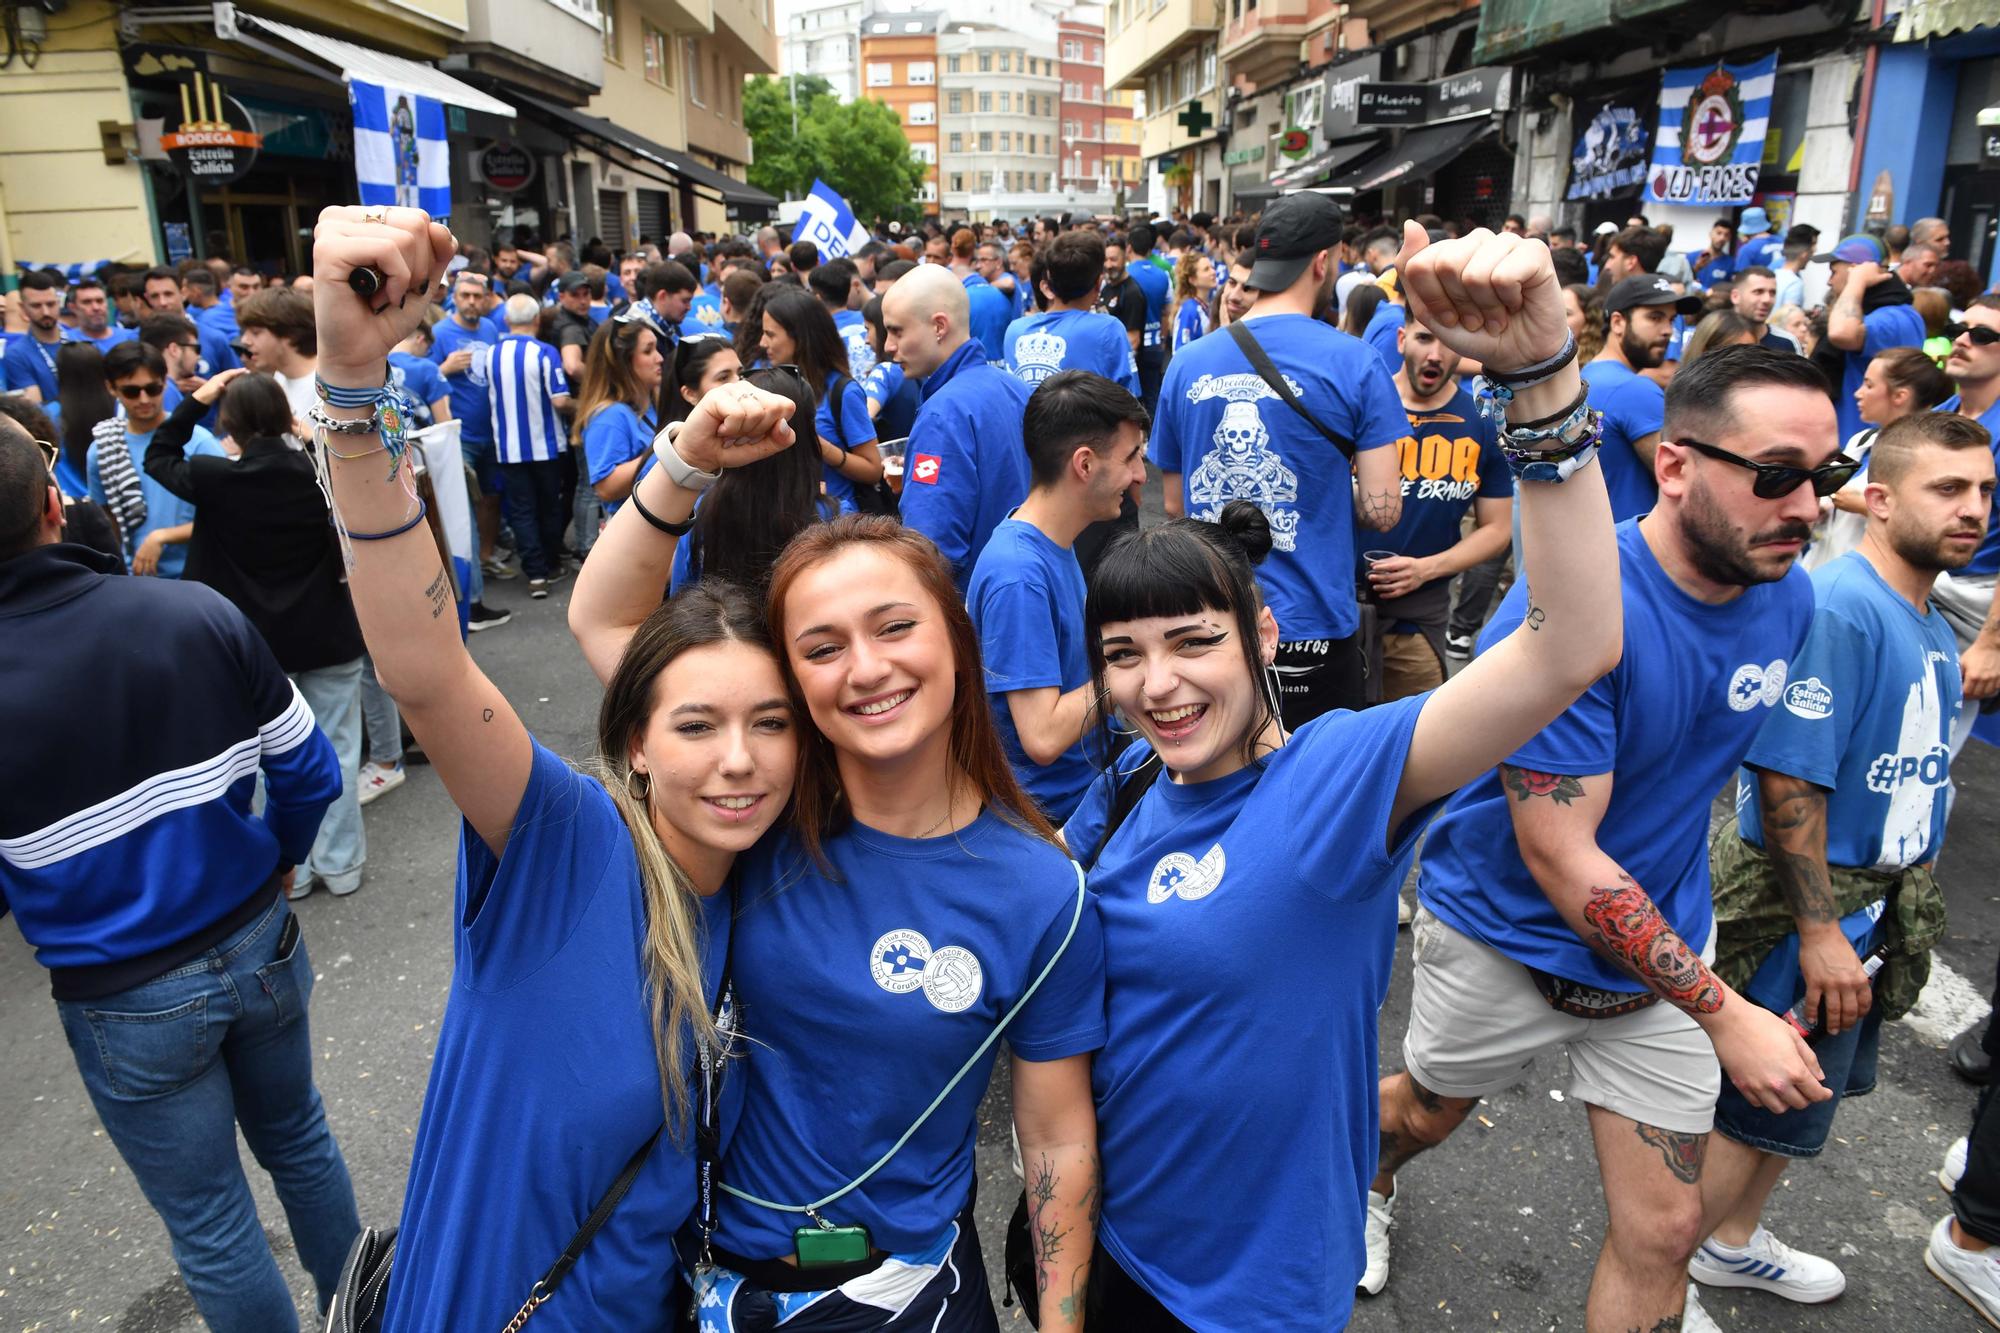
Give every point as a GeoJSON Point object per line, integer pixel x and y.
{"type": "Point", "coordinates": [1496, 1230]}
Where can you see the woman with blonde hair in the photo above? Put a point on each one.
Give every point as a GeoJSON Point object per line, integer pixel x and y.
{"type": "Point", "coordinates": [614, 415]}
{"type": "Point", "coordinates": [1718, 328]}
{"type": "Point", "coordinates": [1194, 281]}
{"type": "Point", "coordinates": [1583, 311]}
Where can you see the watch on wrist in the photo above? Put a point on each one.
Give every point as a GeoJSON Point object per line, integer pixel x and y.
{"type": "Point", "coordinates": [684, 474]}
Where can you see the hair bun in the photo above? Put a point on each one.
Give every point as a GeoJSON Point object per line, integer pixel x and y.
{"type": "Point", "coordinates": [1246, 524]}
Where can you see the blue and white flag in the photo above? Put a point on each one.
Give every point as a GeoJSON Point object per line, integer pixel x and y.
{"type": "Point", "coordinates": [829, 223]}
{"type": "Point", "coordinates": [1710, 142]}
{"type": "Point", "coordinates": [400, 158]}
{"type": "Point", "coordinates": [70, 273]}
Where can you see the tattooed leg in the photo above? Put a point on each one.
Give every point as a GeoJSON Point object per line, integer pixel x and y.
{"type": "Point", "coordinates": [1655, 1221]}
{"type": "Point", "coordinates": [1683, 1153]}
{"type": "Point", "coordinates": [1413, 1118]}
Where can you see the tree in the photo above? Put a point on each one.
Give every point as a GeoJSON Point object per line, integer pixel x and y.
{"type": "Point", "coordinates": [858, 148]}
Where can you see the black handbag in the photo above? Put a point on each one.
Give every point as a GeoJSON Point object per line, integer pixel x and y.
{"type": "Point", "coordinates": [872, 497]}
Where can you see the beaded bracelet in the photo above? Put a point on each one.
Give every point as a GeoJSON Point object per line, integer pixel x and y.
{"type": "Point", "coordinates": [416, 518]}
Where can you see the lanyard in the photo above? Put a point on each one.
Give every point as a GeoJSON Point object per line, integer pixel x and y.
{"type": "Point", "coordinates": [708, 1123]}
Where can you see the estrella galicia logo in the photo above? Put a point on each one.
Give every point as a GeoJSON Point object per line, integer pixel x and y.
{"type": "Point", "coordinates": [1890, 771]}
{"type": "Point", "coordinates": [1810, 699]}
{"type": "Point", "coordinates": [1178, 875]}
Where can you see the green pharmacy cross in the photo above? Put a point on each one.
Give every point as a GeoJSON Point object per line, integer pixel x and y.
{"type": "Point", "coordinates": [1195, 120]}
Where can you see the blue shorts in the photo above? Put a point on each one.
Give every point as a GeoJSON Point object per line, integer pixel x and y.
{"type": "Point", "coordinates": [484, 460]}
{"type": "Point", "coordinates": [1848, 1062]}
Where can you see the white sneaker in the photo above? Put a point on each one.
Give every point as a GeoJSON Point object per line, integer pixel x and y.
{"type": "Point", "coordinates": [1375, 1229]}
{"type": "Point", "coordinates": [302, 884]}
{"type": "Point", "coordinates": [1953, 1169]}
{"type": "Point", "coordinates": [1405, 909]}
{"type": "Point", "coordinates": [1767, 1264]}
{"type": "Point", "coordinates": [1694, 1319]}
{"type": "Point", "coordinates": [376, 780]}
{"type": "Point", "coordinates": [1973, 1274]}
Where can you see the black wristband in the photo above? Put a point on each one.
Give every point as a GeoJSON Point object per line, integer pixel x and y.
{"type": "Point", "coordinates": [1537, 372]}
{"type": "Point", "coordinates": [679, 529]}
{"type": "Point", "coordinates": [1582, 396]}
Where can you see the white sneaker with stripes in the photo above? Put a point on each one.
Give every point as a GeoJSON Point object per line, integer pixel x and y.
{"type": "Point", "coordinates": [1767, 1264]}
{"type": "Point", "coordinates": [1953, 1169]}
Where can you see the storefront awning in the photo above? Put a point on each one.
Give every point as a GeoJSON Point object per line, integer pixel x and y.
{"type": "Point", "coordinates": [1422, 152]}
{"type": "Point", "coordinates": [379, 67]}
{"type": "Point", "coordinates": [1941, 18]}
{"type": "Point", "coordinates": [1324, 163]}
{"type": "Point", "coordinates": [682, 169]}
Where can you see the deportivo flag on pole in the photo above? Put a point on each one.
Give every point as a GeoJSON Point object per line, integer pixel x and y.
{"type": "Point", "coordinates": [829, 223]}
{"type": "Point", "coordinates": [400, 159]}
{"type": "Point", "coordinates": [1711, 136]}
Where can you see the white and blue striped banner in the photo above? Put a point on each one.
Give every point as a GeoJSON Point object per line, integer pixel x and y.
{"type": "Point", "coordinates": [71, 273]}
{"type": "Point", "coordinates": [1710, 141]}
{"type": "Point", "coordinates": [400, 158]}
{"type": "Point", "coordinates": [828, 222]}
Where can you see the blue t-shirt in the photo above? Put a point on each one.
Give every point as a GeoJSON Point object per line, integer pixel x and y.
{"type": "Point", "coordinates": [613, 437]}
{"type": "Point", "coordinates": [1231, 438]}
{"type": "Point", "coordinates": [171, 400]}
{"type": "Point", "coordinates": [1158, 287]}
{"type": "Point", "coordinates": [513, 1151]}
{"type": "Point", "coordinates": [112, 337]}
{"type": "Point", "coordinates": [896, 397]}
{"type": "Point", "coordinates": [219, 318]}
{"type": "Point", "coordinates": [988, 313]}
{"type": "Point", "coordinates": [1038, 346]}
{"type": "Point", "coordinates": [216, 353]}
{"type": "Point", "coordinates": [468, 387]}
{"type": "Point", "coordinates": [1633, 407]}
{"type": "Point", "coordinates": [1449, 457]}
{"type": "Point", "coordinates": [31, 363]}
{"type": "Point", "coordinates": [1868, 715]}
{"type": "Point", "coordinates": [419, 384]}
{"type": "Point", "coordinates": [1250, 928]}
{"type": "Point", "coordinates": [854, 429]}
{"type": "Point", "coordinates": [1381, 333]}
{"type": "Point", "coordinates": [900, 962]}
{"type": "Point", "coordinates": [1766, 250]}
{"type": "Point", "coordinates": [1987, 559]}
{"type": "Point", "coordinates": [966, 467]}
{"type": "Point", "coordinates": [853, 330]}
{"type": "Point", "coordinates": [1671, 722]}
{"type": "Point", "coordinates": [1719, 269]}
{"type": "Point", "coordinates": [1190, 322]}
{"type": "Point", "coordinates": [1026, 601]}
{"type": "Point", "coordinates": [704, 315]}
{"type": "Point", "coordinates": [164, 509]}
{"type": "Point", "coordinates": [1889, 326]}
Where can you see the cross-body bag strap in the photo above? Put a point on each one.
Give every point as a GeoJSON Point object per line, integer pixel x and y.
{"type": "Point", "coordinates": [1260, 361]}
{"type": "Point", "coordinates": [1124, 800]}
{"type": "Point", "coordinates": [937, 1101]}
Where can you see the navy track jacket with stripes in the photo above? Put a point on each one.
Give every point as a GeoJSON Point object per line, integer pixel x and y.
{"type": "Point", "coordinates": [136, 713]}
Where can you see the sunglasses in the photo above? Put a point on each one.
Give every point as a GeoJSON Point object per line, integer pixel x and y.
{"type": "Point", "coordinates": [49, 455]}
{"type": "Point", "coordinates": [1777, 480]}
{"type": "Point", "coordinates": [133, 392]}
{"type": "Point", "coordinates": [1982, 335]}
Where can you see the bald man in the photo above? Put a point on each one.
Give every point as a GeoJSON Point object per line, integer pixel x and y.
{"type": "Point", "coordinates": [966, 467]}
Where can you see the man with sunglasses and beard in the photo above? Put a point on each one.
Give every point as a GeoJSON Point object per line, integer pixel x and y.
{"type": "Point", "coordinates": [155, 522]}
{"type": "Point", "coordinates": [1966, 596]}
{"type": "Point", "coordinates": [1842, 804]}
{"type": "Point", "coordinates": [1566, 893]}
{"type": "Point", "coordinates": [1640, 312]}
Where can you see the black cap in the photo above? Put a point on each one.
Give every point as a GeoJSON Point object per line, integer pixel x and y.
{"type": "Point", "coordinates": [1295, 228]}
{"type": "Point", "coordinates": [572, 280]}
{"type": "Point", "coordinates": [1648, 289]}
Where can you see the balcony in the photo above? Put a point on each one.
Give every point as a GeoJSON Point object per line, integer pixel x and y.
{"type": "Point", "coordinates": [1165, 29]}
{"type": "Point", "coordinates": [744, 29]}
{"type": "Point", "coordinates": [674, 15]}
{"type": "Point", "coordinates": [1387, 19]}
{"type": "Point", "coordinates": [567, 64]}
{"type": "Point", "coordinates": [1262, 44]}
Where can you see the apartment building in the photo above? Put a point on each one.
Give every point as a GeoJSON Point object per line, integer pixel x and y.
{"type": "Point", "coordinates": [1170, 50]}
{"type": "Point", "coordinates": [899, 67]}
{"type": "Point", "coordinates": [1002, 88]}
{"type": "Point", "coordinates": [823, 38]}
{"type": "Point", "coordinates": [1081, 163]}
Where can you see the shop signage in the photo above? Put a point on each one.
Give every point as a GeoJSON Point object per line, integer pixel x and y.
{"type": "Point", "coordinates": [1609, 157]}
{"type": "Point", "coordinates": [1989, 135]}
{"type": "Point", "coordinates": [1238, 156]}
{"type": "Point", "coordinates": [1393, 103]}
{"type": "Point", "coordinates": [1295, 142]}
{"type": "Point", "coordinates": [506, 167]}
{"type": "Point", "coordinates": [215, 141]}
{"type": "Point", "coordinates": [1710, 140]}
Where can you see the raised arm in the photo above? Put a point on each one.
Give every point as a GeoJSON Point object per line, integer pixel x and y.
{"type": "Point", "coordinates": [166, 453]}
{"type": "Point", "coordinates": [402, 595]}
{"type": "Point", "coordinates": [629, 568]}
{"type": "Point", "coordinates": [1556, 817]}
{"type": "Point", "coordinates": [1496, 298]}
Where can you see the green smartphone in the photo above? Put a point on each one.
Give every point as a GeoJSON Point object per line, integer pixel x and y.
{"type": "Point", "coordinates": [828, 1247]}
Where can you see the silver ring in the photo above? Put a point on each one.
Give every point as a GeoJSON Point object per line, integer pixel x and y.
{"type": "Point", "coordinates": [375, 213]}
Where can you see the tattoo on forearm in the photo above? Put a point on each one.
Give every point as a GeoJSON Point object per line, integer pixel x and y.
{"type": "Point", "coordinates": [1071, 1306]}
{"type": "Point", "coordinates": [1526, 784]}
{"type": "Point", "coordinates": [1628, 928]}
{"type": "Point", "coordinates": [1795, 840]}
{"type": "Point", "coordinates": [1379, 508]}
{"type": "Point", "coordinates": [439, 594]}
{"type": "Point", "coordinates": [1043, 1229]}
{"type": "Point", "coordinates": [1683, 1153]}
{"type": "Point", "coordinates": [1536, 618]}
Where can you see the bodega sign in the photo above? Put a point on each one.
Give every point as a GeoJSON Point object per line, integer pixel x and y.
{"type": "Point", "coordinates": [1710, 140]}
{"type": "Point", "coordinates": [216, 142]}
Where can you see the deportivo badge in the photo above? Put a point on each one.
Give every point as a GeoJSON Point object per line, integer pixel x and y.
{"type": "Point", "coordinates": [1178, 875]}
{"type": "Point", "coordinates": [898, 960]}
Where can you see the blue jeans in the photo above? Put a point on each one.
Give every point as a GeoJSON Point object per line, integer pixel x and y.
{"type": "Point", "coordinates": [1847, 1059]}
{"type": "Point", "coordinates": [341, 849]}
{"type": "Point", "coordinates": [174, 1066]}
{"type": "Point", "coordinates": [385, 722]}
{"type": "Point", "coordinates": [534, 505]}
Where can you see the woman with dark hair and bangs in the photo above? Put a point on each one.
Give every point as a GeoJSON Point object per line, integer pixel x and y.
{"type": "Point", "coordinates": [917, 905]}
{"type": "Point", "coordinates": [799, 331]}
{"type": "Point", "coordinates": [745, 519]}
{"type": "Point", "coordinates": [1248, 877]}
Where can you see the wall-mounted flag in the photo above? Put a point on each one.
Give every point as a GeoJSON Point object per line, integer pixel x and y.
{"type": "Point", "coordinates": [400, 158]}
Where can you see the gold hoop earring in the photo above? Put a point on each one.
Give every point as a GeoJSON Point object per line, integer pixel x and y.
{"type": "Point", "coordinates": [645, 784]}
